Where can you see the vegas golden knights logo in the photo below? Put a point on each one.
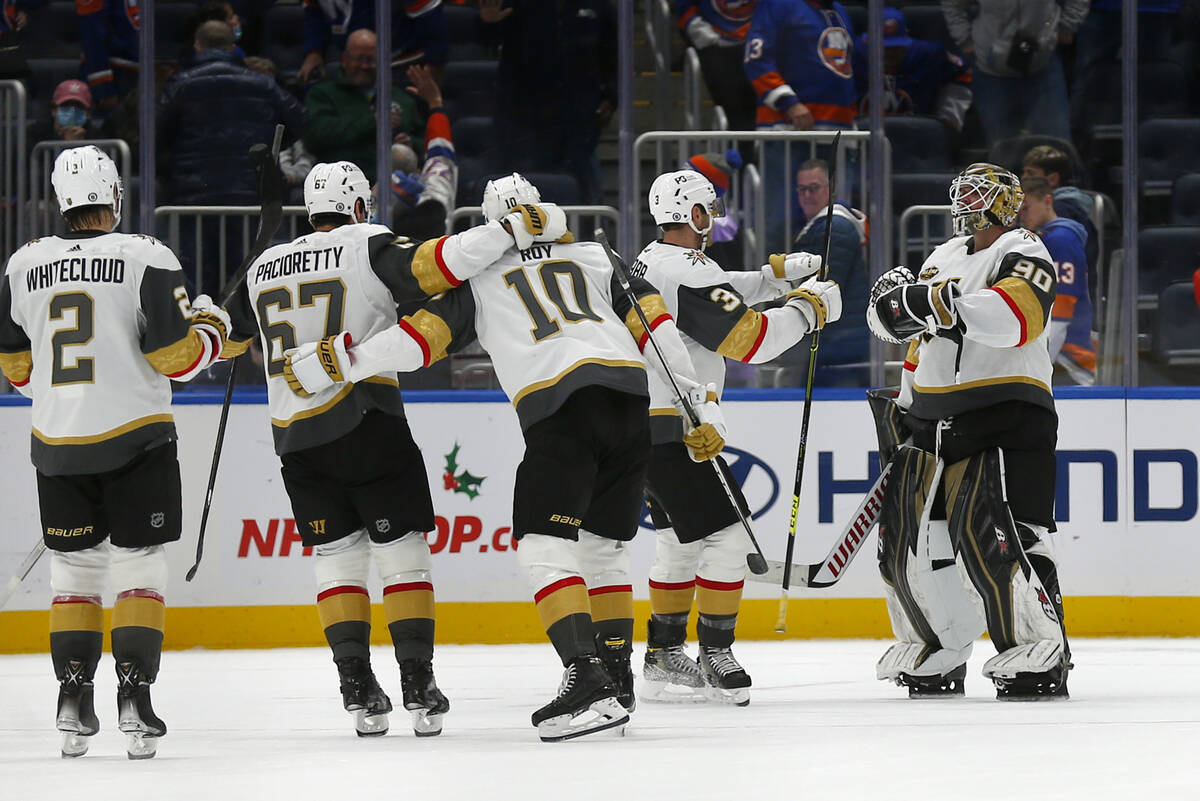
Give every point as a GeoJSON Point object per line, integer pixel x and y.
{"type": "Point", "coordinates": [318, 527]}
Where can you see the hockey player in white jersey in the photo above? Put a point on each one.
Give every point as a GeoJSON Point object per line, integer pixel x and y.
{"type": "Point", "coordinates": [566, 345]}
{"type": "Point", "coordinates": [971, 495]}
{"type": "Point", "coordinates": [701, 544]}
{"type": "Point", "coordinates": [355, 477]}
{"type": "Point", "coordinates": [93, 326]}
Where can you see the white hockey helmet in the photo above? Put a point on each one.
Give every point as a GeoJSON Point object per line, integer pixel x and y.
{"type": "Point", "coordinates": [86, 176]}
{"type": "Point", "coordinates": [501, 195]}
{"type": "Point", "coordinates": [673, 194]}
{"type": "Point", "coordinates": [984, 195]}
{"type": "Point", "coordinates": [336, 188]}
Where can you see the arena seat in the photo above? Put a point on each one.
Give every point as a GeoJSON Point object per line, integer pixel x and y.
{"type": "Point", "coordinates": [1166, 253]}
{"type": "Point", "coordinates": [471, 87]}
{"type": "Point", "coordinates": [1167, 148]}
{"type": "Point", "coordinates": [919, 144]}
{"type": "Point", "coordinates": [1185, 199]}
{"type": "Point", "coordinates": [1175, 337]}
{"type": "Point", "coordinates": [285, 45]}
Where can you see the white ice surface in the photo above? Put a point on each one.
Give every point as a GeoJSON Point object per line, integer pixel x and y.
{"type": "Point", "coordinates": [269, 725]}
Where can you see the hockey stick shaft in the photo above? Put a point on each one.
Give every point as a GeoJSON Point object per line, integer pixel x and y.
{"type": "Point", "coordinates": [270, 215]}
{"type": "Point", "coordinates": [756, 561]}
{"type": "Point", "coordinates": [22, 571]}
{"type": "Point", "coordinates": [823, 273]}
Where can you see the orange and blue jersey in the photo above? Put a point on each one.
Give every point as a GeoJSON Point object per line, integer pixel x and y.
{"type": "Point", "coordinates": [729, 18]}
{"type": "Point", "coordinates": [418, 27]}
{"type": "Point", "coordinates": [915, 87]}
{"type": "Point", "coordinates": [108, 30]}
{"type": "Point", "coordinates": [800, 51]}
{"type": "Point", "coordinates": [1066, 239]}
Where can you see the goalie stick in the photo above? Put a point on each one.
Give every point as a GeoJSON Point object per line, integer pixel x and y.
{"type": "Point", "coordinates": [755, 561]}
{"type": "Point", "coordinates": [270, 190]}
{"type": "Point", "coordinates": [830, 570]}
{"type": "Point", "coordinates": [22, 572]}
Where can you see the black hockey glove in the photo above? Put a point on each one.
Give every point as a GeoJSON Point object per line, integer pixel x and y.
{"type": "Point", "coordinates": [910, 310]}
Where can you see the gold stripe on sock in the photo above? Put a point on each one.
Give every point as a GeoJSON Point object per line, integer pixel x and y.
{"type": "Point", "coordinates": [148, 613]}
{"type": "Point", "coordinates": [344, 604]}
{"type": "Point", "coordinates": [76, 616]}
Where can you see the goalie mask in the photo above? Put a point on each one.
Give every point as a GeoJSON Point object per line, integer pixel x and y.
{"type": "Point", "coordinates": [336, 188]}
{"type": "Point", "coordinates": [984, 195]}
{"type": "Point", "coordinates": [673, 194]}
{"type": "Point", "coordinates": [86, 176]}
{"type": "Point", "coordinates": [502, 195]}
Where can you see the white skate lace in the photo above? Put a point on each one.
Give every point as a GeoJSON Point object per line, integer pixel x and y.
{"type": "Point", "coordinates": [568, 681]}
{"type": "Point", "coordinates": [678, 661]}
{"type": "Point", "coordinates": [722, 661]}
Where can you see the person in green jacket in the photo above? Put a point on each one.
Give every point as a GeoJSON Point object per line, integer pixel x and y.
{"type": "Point", "coordinates": [341, 110]}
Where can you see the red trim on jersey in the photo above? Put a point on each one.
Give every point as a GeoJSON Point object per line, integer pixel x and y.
{"type": "Point", "coordinates": [611, 588]}
{"type": "Point", "coordinates": [550, 589]}
{"type": "Point", "coordinates": [762, 334]}
{"type": "Point", "coordinates": [20, 383]}
{"type": "Point", "coordinates": [408, 587]}
{"type": "Point", "coordinates": [441, 262]}
{"type": "Point", "coordinates": [1016, 310]}
{"type": "Point", "coordinates": [194, 364]}
{"type": "Point", "coordinates": [672, 585]}
{"type": "Point", "coordinates": [438, 127]}
{"type": "Point", "coordinates": [77, 599]}
{"type": "Point", "coordinates": [151, 594]}
{"type": "Point", "coordinates": [909, 365]}
{"type": "Point", "coordinates": [686, 17]}
{"type": "Point", "coordinates": [412, 332]}
{"type": "Point", "coordinates": [345, 588]}
{"type": "Point", "coordinates": [655, 323]}
{"type": "Point", "coordinates": [724, 586]}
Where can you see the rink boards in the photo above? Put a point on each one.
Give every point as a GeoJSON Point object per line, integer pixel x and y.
{"type": "Point", "coordinates": [1127, 503]}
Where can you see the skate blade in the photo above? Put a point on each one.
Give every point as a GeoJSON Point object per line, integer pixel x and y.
{"type": "Point", "coordinates": [739, 696]}
{"type": "Point", "coordinates": [140, 745]}
{"type": "Point", "coordinates": [366, 725]}
{"type": "Point", "coordinates": [74, 744]}
{"type": "Point", "coordinates": [661, 692]}
{"type": "Point", "coordinates": [606, 713]}
{"type": "Point", "coordinates": [424, 724]}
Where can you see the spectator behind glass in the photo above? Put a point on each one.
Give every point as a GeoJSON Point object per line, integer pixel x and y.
{"type": "Point", "coordinates": [557, 85]}
{"type": "Point", "coordinates": [1070, 201]}
{"type": "Point", "coordinates": [848, 342]}
{"type": "Point", "coordinates": [1020, 87]}
{"type": "Point", "coordinates": [418, 32]}
{"type": "Point", "coordinates": [725, 238]}
{"type": "Point", "coordinates": [108, 30]}
{"type": "Point", "coordinates": [919, 77]}
{"type": "Point", "coordinates": [208, 11]}
{"type": "Point", "coordinates": [1072, 346]}
{"type": "Point", "coordinates": [717, 29]}
{"type": "Point", "coordinates": [424, 194]}
{"type": "Point", "coordinates": [341, 110]}
{"type": "Point", "coordinates": [14, 52]}
{"type": "Point", "coordinates": [70, 115]}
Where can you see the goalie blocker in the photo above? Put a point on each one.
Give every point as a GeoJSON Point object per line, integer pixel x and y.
{"type": "Point", "coordinates": [954, 560]}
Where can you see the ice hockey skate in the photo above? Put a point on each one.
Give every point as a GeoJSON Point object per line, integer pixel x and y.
{"type": "Point", "coordinates": [1032, 672]}
{"type": "Point", "coordinates": [940, 673]}
{"type": "Point", "coordinates": [586, 703]}
{"type": "Point", "coordinates": [669, 675]}
{"type": "Point", "coordinates": [616, 654]}
{"type": "Point", "coordinates": [135, 715]}
{"type": "Point", "coordinates": [725, 680]}
{"type": "Point", "coordinates": [363, 697]}
{"type": "Point", "coordinates": [422, 698]}
{"type": "Point", "coordinates": [76, 711]}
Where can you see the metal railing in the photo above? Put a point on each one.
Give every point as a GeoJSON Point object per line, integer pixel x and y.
{"type": "Point", "coordinates": [691, 90]}
{"type": "Point", "coordinates": [473, 215]}
{"type": "Point", "coordinates": [12, 165]}
{"type": "Point", "coordinates": [189, 240]}
{"type": "Point", "coordinates": [924, 244]}
{"type": "Point", "coordinates": [42, 217]}
{"type": "Point", "coordinates": [776, 173]}
{"type": "Point", "coordinates": [658, 37]}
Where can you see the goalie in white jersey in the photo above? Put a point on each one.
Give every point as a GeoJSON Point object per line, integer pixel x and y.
{"type": "Point", "coordinates": [355, 476]}
{"type": "Point", "coordinates": [93, 325]}
{"type": "Point", "coordinates": [702, 545]}
{"type": "Point", "coordinates": [971, 498]}
{"type": "Point", "coordinates": [558, 329]}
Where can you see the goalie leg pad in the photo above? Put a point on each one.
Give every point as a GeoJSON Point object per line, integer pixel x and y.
{"type": "Point", "coordinates": [890, 428]}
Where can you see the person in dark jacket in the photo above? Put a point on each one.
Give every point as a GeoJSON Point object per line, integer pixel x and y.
{"type": "Point", "coordinates": [1071, 202]}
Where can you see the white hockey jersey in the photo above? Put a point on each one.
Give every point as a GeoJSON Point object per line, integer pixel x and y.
{"type": "Point", "coordinates": [553, 319]}
{"type": "Point", "coordinates": [712, 310]}
{"type": "Point", "coordinates": [348, 279]}
{"type": "Point", "coordinates": [999, 351]}
{"type": "Point", "coordinates": [92, 325]}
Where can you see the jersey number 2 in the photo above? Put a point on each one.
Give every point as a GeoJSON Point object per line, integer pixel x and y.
{"type": "Point", "coordinates": [84, 369]}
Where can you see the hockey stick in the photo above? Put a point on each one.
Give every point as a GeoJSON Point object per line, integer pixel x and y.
{"type": "Point", "coordinates": [781, 621]}
{"type": "Point", "coordinates": [22, 572]}
{"type": "Point", "coordinates": [830, 570]}
{"type": "Point", "coordinates": [755, 561]}
{"type": "Point", "coordinates": [270, 188]}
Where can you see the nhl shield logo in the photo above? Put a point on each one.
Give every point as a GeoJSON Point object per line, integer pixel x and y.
{"type": "Point", "coordinates": [383, 525]}
{"type": "Point", "coordinates": [157, 519]}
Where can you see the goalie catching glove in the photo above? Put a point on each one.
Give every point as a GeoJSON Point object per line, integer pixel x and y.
{"type": "Point", "coordinates": [529, 223]}
{"type": "Point", "coordinates": [910, 310]}
{"type": "Point", "coordinates": [707, 439]}
{"type": "Point", "coordinates": [316, 366]}
{"type": "Point", "coordinates": [820, 302]}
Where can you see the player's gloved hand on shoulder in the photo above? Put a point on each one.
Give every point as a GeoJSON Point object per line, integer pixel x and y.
{"type": "Point", "coordinates": [707, 439]}
{"type": "Point", "coordinates": [211, 318]}
{"type": "Point", "coordinates": [543, 222]}
{"type": "Point", "coordinates": [819, 301]}
{"type": "Point", "coordinates": [785, 270]}
{"type": "Point", "coordinates": [701, 33]}
{"type": "Point", "coordinates": [907, 311]}
{"type": "Point", "coordinates": [315, 366]}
